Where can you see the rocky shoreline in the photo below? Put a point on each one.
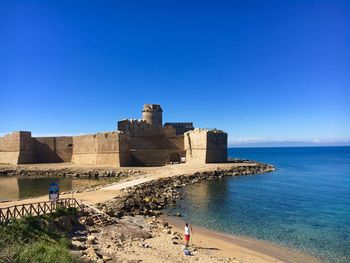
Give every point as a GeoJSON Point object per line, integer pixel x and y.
{"type": "Point", "coordinates": [69, 172]}
{"type": "Point", "coordinates": [151, 197]}
{"type": "Point", "coordinates": [139, 231]}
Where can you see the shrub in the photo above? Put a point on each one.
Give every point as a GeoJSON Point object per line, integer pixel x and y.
{"type": "Point", "coordinates": [30, 240]}
{"type": "Point", "coordinates": [45, 252]}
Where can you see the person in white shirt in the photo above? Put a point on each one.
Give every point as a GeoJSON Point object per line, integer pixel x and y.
{"type": "Point", "coordinates": [187, 234]}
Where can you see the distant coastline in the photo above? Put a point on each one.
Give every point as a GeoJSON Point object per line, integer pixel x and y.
{"type": "Point", "coordinates": [278, 144]}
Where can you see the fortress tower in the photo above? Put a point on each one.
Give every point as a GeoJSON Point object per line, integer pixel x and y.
{"type": "Point", "coordinates": [152, 114]}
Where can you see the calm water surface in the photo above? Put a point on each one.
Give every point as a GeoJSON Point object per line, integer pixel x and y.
{"type": "Point", "coordinates": [25, 187]}
{"type": "Point", "coordinates": [305, 204]}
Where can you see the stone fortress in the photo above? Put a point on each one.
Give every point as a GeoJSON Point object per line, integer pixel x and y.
{"type": "Point", "coordinates": [135, 143]}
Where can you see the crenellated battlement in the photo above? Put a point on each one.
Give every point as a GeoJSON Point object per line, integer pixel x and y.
{"type": "Point", "coordinates": [203, 130]}
{"type": "Point", "coordinates": [151, 108]}
{"type": "Point", "coordinates": [178, 123]}
{"type": "Point", "coordinates": [180, 127]}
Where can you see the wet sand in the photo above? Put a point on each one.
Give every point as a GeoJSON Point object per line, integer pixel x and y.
{"type": "Point", "coordinates": [241, 248]}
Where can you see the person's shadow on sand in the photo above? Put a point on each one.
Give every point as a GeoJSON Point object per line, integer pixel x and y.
{"type": "Point", "coordinates": [208, 248]}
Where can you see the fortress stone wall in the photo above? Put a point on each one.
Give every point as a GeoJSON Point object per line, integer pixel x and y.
{"type": "Point", "coordinates": [53, 149]}
{"type": "Point", "coordinates": [136, 142]}
{"type": "Point", "coordinates": [16, 148]}
{"type": "Point", "coordinates": [9, 148]}
{"type": "Point", "coordinates": [216, 147]}
{"type": "Point", "coordinates": [205, 146]}
{"type": "Point", "coordinates": [108, 148]}
{"type": "Point", "coordinates": [150, 144]}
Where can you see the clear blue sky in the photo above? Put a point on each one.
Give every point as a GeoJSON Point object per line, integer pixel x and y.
{"type": "Point", "coordinates": [260, 70]}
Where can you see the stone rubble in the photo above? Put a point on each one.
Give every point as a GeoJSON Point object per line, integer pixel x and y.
{"type": "Point", "coordinates": [68, 172]}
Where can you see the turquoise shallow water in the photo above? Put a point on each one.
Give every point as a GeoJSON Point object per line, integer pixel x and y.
{"type": "Point", "coordinates": [305, 204]}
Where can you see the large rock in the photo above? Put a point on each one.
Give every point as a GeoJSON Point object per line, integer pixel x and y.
{"type": "Point", "coordinates": [77, 245]}
{"type": "Point", "coordinates": [91, 239]}
{"type": "Point", "coordinates": [47, 225]}
{"type": "Point", "coordinates": [64, 223]}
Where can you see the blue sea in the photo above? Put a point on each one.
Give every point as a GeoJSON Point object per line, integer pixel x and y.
{"type": "Point", "coordinates": [304, 204]}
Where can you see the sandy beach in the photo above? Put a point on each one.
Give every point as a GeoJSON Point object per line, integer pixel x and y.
{"type": "Point", "coordinates": [209, 246]}
{"type": "Point", "coordinates": [241, 248]}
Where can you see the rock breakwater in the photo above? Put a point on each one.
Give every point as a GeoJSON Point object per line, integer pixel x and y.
{"type": "Point", "coordinates": [151, 197]}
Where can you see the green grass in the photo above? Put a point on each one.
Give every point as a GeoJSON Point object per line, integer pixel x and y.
{"type": "Point", "coordinates": [30, 240]}
{"type": "Point", "coordinates": [45, 252]}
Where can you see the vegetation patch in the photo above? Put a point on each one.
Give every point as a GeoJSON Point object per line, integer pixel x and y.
{"type": "Point", "coordinates": [34, 239]}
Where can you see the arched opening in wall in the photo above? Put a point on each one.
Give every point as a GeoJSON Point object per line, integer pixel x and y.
{"type": "Point", "coordinates": [174, 158]}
